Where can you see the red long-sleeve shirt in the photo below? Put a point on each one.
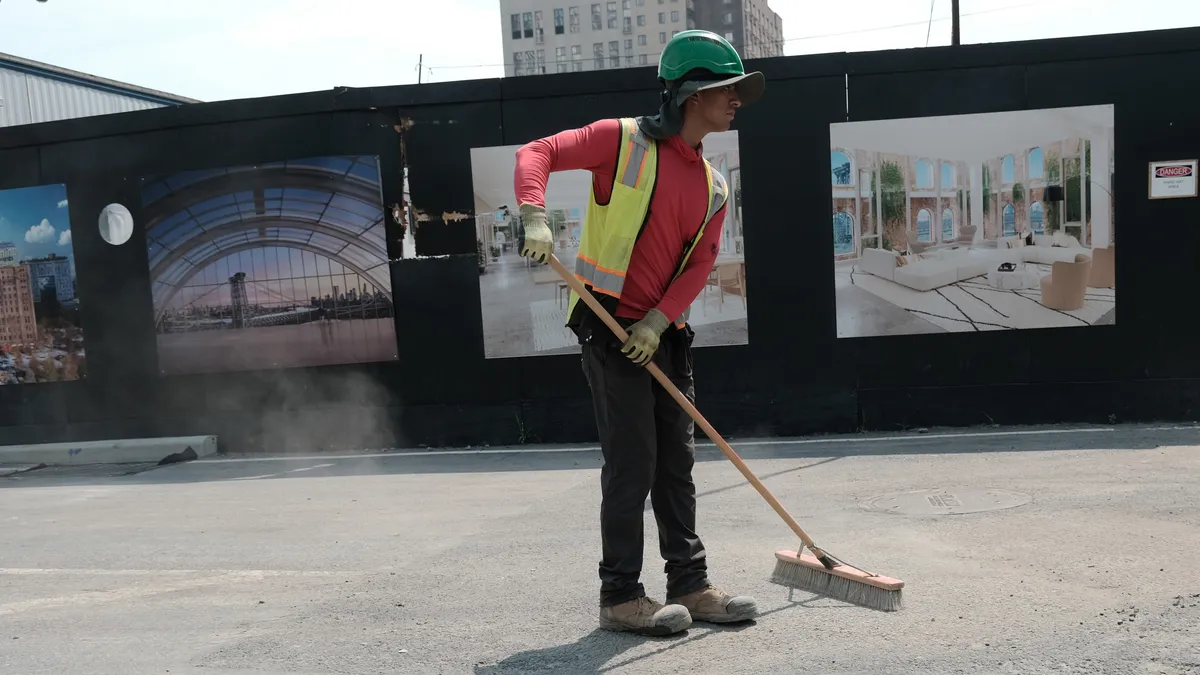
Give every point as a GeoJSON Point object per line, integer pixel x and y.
{"type": "Point", "coordinates": [677, 211]}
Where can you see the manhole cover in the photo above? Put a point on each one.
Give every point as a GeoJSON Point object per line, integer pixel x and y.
{"type": "Point", "coordinates": [950, 501]}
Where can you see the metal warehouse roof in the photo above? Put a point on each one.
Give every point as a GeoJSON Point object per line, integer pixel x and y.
{"type": "Point", "coordinates": [31, 92]}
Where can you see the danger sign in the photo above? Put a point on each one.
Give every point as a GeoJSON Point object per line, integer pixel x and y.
{"type": "Point", "coordinates": [1173, 179]}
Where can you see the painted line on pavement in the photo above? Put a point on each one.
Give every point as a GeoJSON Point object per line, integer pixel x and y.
{"type": "Point", "coordinates": [709, 444]}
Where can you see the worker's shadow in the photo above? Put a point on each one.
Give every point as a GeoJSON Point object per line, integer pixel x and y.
{"type": "Point", "coordinates": [599, 651]}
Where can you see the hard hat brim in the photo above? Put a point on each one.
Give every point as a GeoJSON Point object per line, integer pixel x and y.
{"type": "Point", "coordinates": [749, 87]}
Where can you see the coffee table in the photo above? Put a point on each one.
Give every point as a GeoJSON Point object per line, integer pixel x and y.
{"type": "Point", "coordinates": [1017, 279]}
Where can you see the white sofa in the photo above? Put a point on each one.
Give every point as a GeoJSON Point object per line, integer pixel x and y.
{"type": "Point", "coordinates": [947, 266]}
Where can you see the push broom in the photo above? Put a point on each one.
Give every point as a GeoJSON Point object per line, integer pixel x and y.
{"type": "Point", "coordinates": [816, 571]}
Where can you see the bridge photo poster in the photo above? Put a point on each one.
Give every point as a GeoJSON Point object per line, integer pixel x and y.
{"type": "Point", "coordinates": [275, 265]}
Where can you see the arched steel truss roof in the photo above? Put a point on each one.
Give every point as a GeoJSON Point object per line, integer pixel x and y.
{"type": "Point", "coordinates": [330, 207]}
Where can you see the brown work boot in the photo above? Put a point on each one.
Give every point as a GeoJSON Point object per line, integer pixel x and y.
{"type": "Point", "coordinates": [715, 605]}
{"type": "Point", "coordinates": [645, 616]}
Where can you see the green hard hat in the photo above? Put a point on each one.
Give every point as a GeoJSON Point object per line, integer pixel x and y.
{"type": "Point", "coordinates": [701, 50]}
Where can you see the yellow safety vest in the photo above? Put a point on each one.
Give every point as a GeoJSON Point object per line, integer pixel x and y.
{"type": "Point", "coordinates": [611, 230]}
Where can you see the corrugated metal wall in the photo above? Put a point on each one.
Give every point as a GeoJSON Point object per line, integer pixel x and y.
{"type": "Point", "coordinates": [28, 99]}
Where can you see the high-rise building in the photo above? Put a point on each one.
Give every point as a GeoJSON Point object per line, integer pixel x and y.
{"type": "Point", "coordinates": [8, 254]}
{"type": "Point", "coordinates": [18, 325]}
{"type": "Point", "coordinates": [556, 36]}
{"type": "Point", "coordinates": [53, 271]}
{"type": "Point", "coordinates": [750, 25]}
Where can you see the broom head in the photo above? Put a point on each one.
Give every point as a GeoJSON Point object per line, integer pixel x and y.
{"type": "Point", "coordinates": [843, 582]}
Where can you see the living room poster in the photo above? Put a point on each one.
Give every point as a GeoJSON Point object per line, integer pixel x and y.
{"type": "Point", "coordinates": [978, 222]}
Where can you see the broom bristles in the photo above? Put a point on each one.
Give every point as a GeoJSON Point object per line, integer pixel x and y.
{"type": "Point", "coordinates": [822, 582]}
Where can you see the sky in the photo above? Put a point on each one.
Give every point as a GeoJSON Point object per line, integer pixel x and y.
{"type": "Point", "coordinates": [35, 220]}
{"type": "Point", "coordinates": [225, 49]}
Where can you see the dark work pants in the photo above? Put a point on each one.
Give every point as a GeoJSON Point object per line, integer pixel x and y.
{"type": "Point", "coordinates": [647, 442]}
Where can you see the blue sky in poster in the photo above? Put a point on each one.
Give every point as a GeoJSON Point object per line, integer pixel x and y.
{"type": "Point", "coordinates": [35, 220]}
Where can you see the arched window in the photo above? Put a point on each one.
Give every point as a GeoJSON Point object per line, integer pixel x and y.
{"type": "Point", "coordinates": [947, 175]}
{"type": "Point", "coordinates": [1006, 170]}
{"type": "Point", "coordinates": [924, 174]}
{"type": "Point", "coordinates": [947, 225]}
{"type": "Point", "coordinates": [843, 233]}
{"type": "Point", "coordinates": [1010, 220]}
{"type": "Point", "coordinates": [840, 166]}
{"type": "Point", "coordinates": [1037, 166]}
{"type": "Point", "coordinates": [924, 223]}
{"type": "Point", "coordinates": [1037, 218]}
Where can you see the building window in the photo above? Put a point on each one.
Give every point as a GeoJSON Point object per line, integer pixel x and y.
{"type": "Point", "coordinates": [947, 225]}
{"type": "Point", "coordinates": [1006, 170]}
{"type": "Point", "coordinates": [539, 33]}
{"type": "Point", "coordinates": [729, 36]}
{"type": "Point", "coordinates": [629, 45]}
{"type": "Point", "coordinates": [1037, 164]}
{"type": "Point", "coordinates": [598, 54]}
{"type": "Point", "coordinates": [597, 20]}
{"type": "Point", "coordinates": [516, 26]}
{"type": "Point", "coordinates": [924, 221]}
{"type": "Point", "coordinates": [628, 25]}
{"type": "Point", "coordinates": [614, 54]}
{"type": "Point", "coordinates": [560, 53]}
{"type": "Point", "coordinates": [1037, 218]}
{"type": "Point", "coordinates": [518, 64]}
{"type": "Point", "coordinates": [560, 67]}
{"type": "Point", "coordinates": [728, 18]}
{"type": "Point", "coordinates": [641, 40]}
{"type": "Point", "coordinates": [577, 66]}
{"type": "Point", "coordinates": [640, 3]}
{"type": "Point", "coordinates": [1009, 214]}
{"type": "Point", "coordinates": [574, 16]}
{"type": "Point", "coordinates": [559, 26]}
{"type": "Point", "coordinates": [947, 175]}
{"type": "Point", "coordinates": [674, 15]}
{"type": "Point", "coordinates": [625, 4]}
{"type": "Point", "coordinates": [576, 52]}
{"type": "Point", "coordinates": [843, 233]}
{"type": "Point", "coordinates": [527, 19]}
{"type": "Point", "coordinates": [612, 15]}
{"type": "Point", "coordinates": [924, 175]}
{"type": "Point", "coordinates": [662, 38]}
{"type": "Point", "coordinates": [642, 59]}
{"type": "Point", "coordinates": [641, 19]}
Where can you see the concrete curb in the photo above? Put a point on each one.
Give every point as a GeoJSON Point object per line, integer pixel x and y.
{"type": "Point", "coordinates": [120, 451]}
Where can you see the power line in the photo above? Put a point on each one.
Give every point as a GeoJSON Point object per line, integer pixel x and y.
{"type": "Point", "coordinates": [820, 36]}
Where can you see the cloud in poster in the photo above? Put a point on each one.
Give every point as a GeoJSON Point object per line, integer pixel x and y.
{"type": "Point", "coordinates": [62, 204]}
{"type": "Point", "coordinates": [64, 239]}
{"type": "Point", "coordinates": [42, 233]}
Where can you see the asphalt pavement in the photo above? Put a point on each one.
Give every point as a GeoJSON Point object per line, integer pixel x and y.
{"type": "Point", "coordinates": [1041, 550]}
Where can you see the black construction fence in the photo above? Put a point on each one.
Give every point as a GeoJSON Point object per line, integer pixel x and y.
{"type": "Point", "coordinates": [337, 269]}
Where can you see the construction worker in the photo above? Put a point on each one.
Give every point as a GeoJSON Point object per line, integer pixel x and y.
{"type": "Point", "coordinates": [649, 241]}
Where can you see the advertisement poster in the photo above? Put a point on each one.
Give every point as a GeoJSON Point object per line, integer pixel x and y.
{"type": "Point", "coordinates": [964, 223]}
{"type": "Point", "coordinates": [40, 336]}
{"type": "Point", "coordinates": [524, 303]}
{"type": "Point", "coordinates": [276, 265]}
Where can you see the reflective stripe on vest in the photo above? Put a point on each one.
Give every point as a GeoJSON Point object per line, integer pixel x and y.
{"type": "Point", "coordinates": [718, 192]}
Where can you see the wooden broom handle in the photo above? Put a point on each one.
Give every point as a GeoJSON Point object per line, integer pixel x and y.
{"type": "Point", "coordinates": [709, 431]}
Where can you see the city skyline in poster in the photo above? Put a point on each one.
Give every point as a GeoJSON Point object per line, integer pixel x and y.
{"type": "Point", "coordinates": [41, 339]}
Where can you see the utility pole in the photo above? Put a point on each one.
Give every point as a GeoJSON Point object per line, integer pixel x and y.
{"type": "Point", "coordinates": [421, 58]}
{"type": "Point", "coordinates": [954, 23]}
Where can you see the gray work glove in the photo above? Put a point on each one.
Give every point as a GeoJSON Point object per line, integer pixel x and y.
{"type": "Point", "coordinates": [643, 337]}
{"type": "Point", "coordinates": [539, 242]}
